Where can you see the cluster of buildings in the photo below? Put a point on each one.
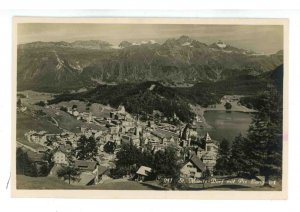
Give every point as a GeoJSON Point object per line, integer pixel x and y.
{"type": "Point", "coordinates": [200, 160]}
{"type": "Point", "coordinates": [119, 128]}
{"type": "Point", "coordinates": [84, 116]}
{"type": "Point", "coordinates": [230, 98]}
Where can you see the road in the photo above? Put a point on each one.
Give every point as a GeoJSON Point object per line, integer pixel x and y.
{"type": "Point", "coordinates": [26, 146]}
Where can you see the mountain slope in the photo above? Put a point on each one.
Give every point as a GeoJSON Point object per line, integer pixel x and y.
{"type": "Point", "coordinates": [62, 66]}
{"type": "Point", "coordinates": [143, 98]}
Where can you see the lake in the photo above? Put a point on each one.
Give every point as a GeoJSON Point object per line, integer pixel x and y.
{"type": "Point", "coordinates": [226, 124]}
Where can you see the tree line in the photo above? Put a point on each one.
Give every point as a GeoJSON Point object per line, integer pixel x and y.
{"type": "Point", "coordinates": [164, 163]}
{"type": "Point", "coordinates": [260, 151]}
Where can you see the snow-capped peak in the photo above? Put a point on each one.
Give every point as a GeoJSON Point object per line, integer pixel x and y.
{"type": "Point", "coordinates": [152, 41]}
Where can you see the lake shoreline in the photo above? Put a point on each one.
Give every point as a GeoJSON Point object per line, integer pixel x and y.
{"type": "Point", "coordinates": [203, 125]}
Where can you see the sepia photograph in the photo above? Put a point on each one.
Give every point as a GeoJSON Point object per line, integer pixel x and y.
{"type": "Point", "coordinates": [172, 108]}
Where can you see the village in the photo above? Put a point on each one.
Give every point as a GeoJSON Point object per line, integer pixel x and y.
{"type": "Point", "coordinates": [110, 132]}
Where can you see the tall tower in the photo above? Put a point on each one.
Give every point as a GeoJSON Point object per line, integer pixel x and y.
{"type": "Point", "coordinates": [208, 141]}
{"type": "Point", "coordinates": [89, 119]}
{"type": "Point", "coordinates": [207, 138]}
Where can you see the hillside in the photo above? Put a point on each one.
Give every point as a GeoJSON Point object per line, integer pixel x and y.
{"type": "Point", "coordinates": [57, 66]}
{"type": "Point", "coordinates": [143, 98]}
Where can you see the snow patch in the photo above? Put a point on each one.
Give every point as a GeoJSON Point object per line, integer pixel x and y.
{"type": "Point", "coordinates": [60, 62]}
{"type": "Point", "coordinates": [152, 41]}
{"type": "Point", "coordinates": [186, 44]}
{"type": "Point", "coordinates": [221, 44]}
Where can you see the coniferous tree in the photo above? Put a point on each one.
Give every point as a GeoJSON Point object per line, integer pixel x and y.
{"type": "Point", "coordinates": [68, 173]}
{"type": "Point", "coordinates": [237, 160]}
{"type": "Point", "coordinates": [265, 136]}
{"type": "Point", "coordinates": [224, 156]}
{"type": "Point", "coordinates": [227, 106]}
{"type": "Point", "coordinates": [22, 162]}
{"type": "Point", "coordinates": [109, 147]}
{"type": "Point", "coordinates": [166, 164]}
{"type": "Point", "coordinates": [128, 159]}
{"type": "Point", "coordinates": [86, 148]}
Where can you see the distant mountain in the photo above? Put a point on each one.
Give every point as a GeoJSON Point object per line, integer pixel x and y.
{"type": "Point", "coordinates": [276, 76]}
{"type": "Point", "coordinates": [221, 46]}
{"type": "Point", "coordinates": [57, 66]}
{"type": "Point", "coordinates": [86, 44]}
{"type": "Point", "coordinates": [91, 44]}
{"type": "Point", "coordinates": [125, 44]}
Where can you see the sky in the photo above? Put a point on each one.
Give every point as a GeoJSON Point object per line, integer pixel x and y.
{"type": "Point", "coordinates": [259, 38]}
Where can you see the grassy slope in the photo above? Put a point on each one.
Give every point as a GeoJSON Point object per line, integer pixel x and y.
{"type": "Point", "coordinates": [26, 122]}
{"type": "Point", "coordinates": [25, 182]}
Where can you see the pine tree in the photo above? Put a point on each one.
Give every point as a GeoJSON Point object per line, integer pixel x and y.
{"type": "Point", "coordinates": [238, 160]}
{"type": "Point", "coordinates": [166, 164]}
{"type": "Point", "coordinates": [224, 156]}
{"type": "Point", "coordinates": [128, 159]}
{"type": "Point", "coordinates": [109, 147]}
{"type": "Point", "coordinates": [86, 148]}
{"type": "Point", "coordinates": [265, 136]}
{"type": "Point", "coordinates": [68, 173]}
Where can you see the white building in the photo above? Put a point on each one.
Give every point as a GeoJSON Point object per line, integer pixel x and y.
{"type": "Point", "coordinates": [194, 168]}
{"type": "Point", "coordinates": [60, 157]}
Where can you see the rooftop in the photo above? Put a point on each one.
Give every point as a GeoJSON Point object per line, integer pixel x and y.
{"type": "Point", "coordinates": [86, 165]}
{"type": "Point", "coordinates": [164, 133]}
{"type": "Point", "coordinates": [144, 170]}
{"type": "Point", "coordinates": [198, 163]}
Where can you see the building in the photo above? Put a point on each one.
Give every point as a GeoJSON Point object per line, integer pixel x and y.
{"type": "Point", "coordinates": [36, 137]}
{"type": "Point", "coordinates": [165, 137]}
{"type": "Point", "coordinates": [200, 152]}
{"type": "Point", "coordinates": [125, 139]}
{"type": "Point", "coordinates": [194, 168]}
{"type": "Point", "coordinates": [75, 113]}
{"type": "Point", "coordinates": [210, 145]}
{"type": "Point", "coordinates": [119, 113]}
{"type": "Point", "coordinates": [91, 172]}
{"type": "Point", "coordinates": [114, 129]}
{"type": "Point", "coordinates": [143, 173]}
{"type": "Point", "coordinates": [151, 124]}
{"type": "Point", "coordinates": [185, 135]}
{"type": "Point", "coordinates": [135, 140]}
{"type": "Point", "coordinates": [121, 109]}
{"type": "Point", "coordinates": [102, 174]}
{"type": "Point", "coordinates": [85, 165]}
{"type": "Point", "coordinates": [210, 153]}
{"type": "Point", "coordinates": [59, 157]}
{"type": "Point", "coordinates": [131, 138]}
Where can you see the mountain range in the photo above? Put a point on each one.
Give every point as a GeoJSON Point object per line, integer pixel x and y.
{"type": "Point", "coordinates": [59, 66]}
